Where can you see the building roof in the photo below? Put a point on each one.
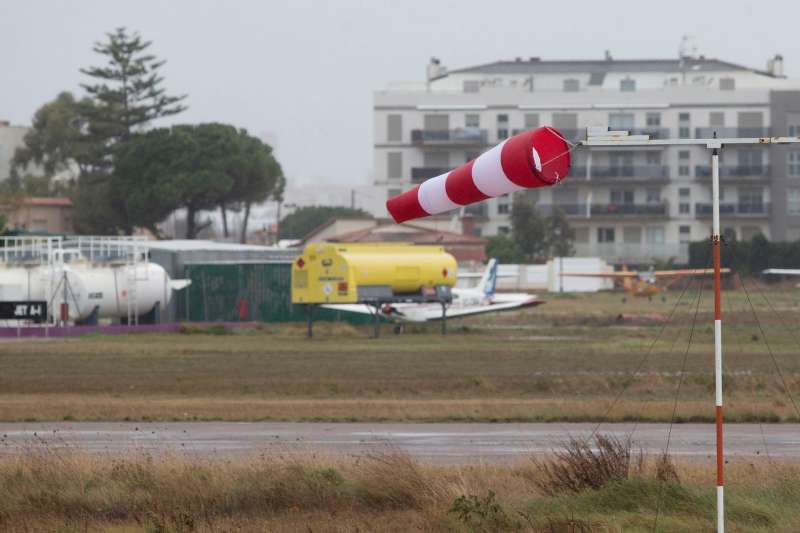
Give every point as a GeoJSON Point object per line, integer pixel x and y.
{"type": "Point", "coordinates": [388, 231]}
{"type": "Point", "coordinates": [535, 65]}
{"type": "Point", "coordinates": [47, 202]}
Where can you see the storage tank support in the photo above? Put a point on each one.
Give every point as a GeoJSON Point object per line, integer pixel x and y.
{"type": "Point", "coordinates": [444, 317]}
{"type": "Point", "coordinates": [310, 320]}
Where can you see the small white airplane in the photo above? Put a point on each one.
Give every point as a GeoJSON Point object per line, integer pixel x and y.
{"type": "Point", "coordinates": [473, 301]}
{"type": "Point", "coordinates": [782, 272]}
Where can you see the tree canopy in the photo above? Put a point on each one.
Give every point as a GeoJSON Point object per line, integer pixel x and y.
{"type": "Point", "coordinates": [129, 176]}
{"type": "Point", "coordinates": [305, 219]}
{"type": "Point", "coordinates": [536, 237]}
{"type": "Point", "coordinates": [57, 141]}
{"type": "Point", "coordinates": [128, 88]}
{"type": "Point", "coordinates": [195, 167]}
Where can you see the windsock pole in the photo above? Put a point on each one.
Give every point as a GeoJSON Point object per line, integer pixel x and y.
{"type": "Point", "coordinates": [715, 252]}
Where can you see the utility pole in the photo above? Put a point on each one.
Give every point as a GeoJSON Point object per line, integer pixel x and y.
{"type": "Point", "coordinates": [601, 137]}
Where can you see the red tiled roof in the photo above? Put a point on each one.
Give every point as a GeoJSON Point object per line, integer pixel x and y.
{"type": "Point", "coordinates": [418, 236]}
{"type": "Point", "coordinates": [50, 202]}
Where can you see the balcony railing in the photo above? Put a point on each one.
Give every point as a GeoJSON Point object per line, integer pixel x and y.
{"type": "Point", "coordinates": [570, 134]}
{"type": "Point", "coordinates": [708, 132]}
{"type": "Point", "coordinates": [580, 210]}
{"type": "Point", "coordinates": [612, 209]}
{"type": "Point", "coordinates": [734, 171]}
{"type": "Point", "coordinates": [751, 209]}
{"type": "Point", "coordinates": [460, 136]}
{"type": "Point", "coordinates": [653, 132]}
{"type": "Point", "coordinates": [420, 174]}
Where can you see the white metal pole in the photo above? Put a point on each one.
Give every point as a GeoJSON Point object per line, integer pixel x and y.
{"type": "Point", "coordinates": [715, 245]}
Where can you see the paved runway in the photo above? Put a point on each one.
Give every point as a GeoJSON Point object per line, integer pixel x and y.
{"type": "Point", "coordinates": [440, 443]}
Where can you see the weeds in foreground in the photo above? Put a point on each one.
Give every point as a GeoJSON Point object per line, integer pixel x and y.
{"type": "Point", "coordinates": [579, 465]}
{"type": "Point", "coordinates": [63, 491]}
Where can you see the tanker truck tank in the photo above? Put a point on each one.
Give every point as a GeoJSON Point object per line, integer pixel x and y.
{"type": "Point", "coordinates": [112, 290]}
{"type": "Point", "coordinates": [338, 273]}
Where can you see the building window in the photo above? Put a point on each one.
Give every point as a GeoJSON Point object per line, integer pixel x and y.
{"type": "Point", "coordinates": [653, 119]}
{"type": "Point", "coordinates": [716, 118]}
{"type": "Point", "coordinates": [684, 163]}
{"type": "Point", "coordinates": [605, 235]}
{"type": "Point", "coordinates": [653, 158]}
{"type": "Point", "coordinates": [531, 120]}
{"type": "Point", "coordinates": [503, 209]}
{"type": "Point", "coordinates": [620, 121]}
{"type": "Point", "coordinates": [793, 124]}
{"type": "Point", "coordinates": [471, 86]}
{"type": "Point", "coordinates": [793, 202]}
{"type": "Point", "coordinates": [794, 163]}
{"type": "Point", "coordinates": [627, 85]}
{"type": "Point", "coordinates": [394, 128]}
{"type": "Point", "coordinates": [571, 85]}
{"type": "Point", "coordinates": [581, 234]}
{"type": "Point", "coordinates": [684, 197]}
{"type": "Point", "coordinates": [502, 126]}
{"type": "Point", "coordinates": [472, 120]}
{"type": "Point", "coordinates": [684, 126]}
{"type": "Point", "coordinates": [653, 196]}
{"type": "Point", "coordinates": [503, 230]}
{"type": "Point", "coordinates": [621, 196]}
{"type": "Point", "coordinates": [685, 234]}
{"type": "Point", "coordinates": [655, 235]}
{"type": "Point", "coordinates": [632, 235]}
{"type": "Point", "coordinates": [727, 84]}
{"type": "Point", "coordinates": [751, 200]}
{"type": "Point", "coordinates": [394, 165]}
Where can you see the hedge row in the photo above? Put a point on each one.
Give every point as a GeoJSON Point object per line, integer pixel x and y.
{"type": "Point", "coordinates": [748, 257]}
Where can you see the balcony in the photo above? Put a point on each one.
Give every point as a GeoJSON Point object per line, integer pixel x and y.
{"type": "Point", "coordinates": [653, 132]}
{"type": "Point", "coordinates": [707, 133]}
{"type": "Point", "coordinates": [645, 174]}
{"type": "Point", "coordinates": [634, 210]}
{"type": "Point", "coordinates": [570, 210]}
{"type": "Point", "coordinates": [633, 253]}
{"type": "Point", "coordinates": [606, 210]}
{"type": "Point", "coordinates": [746, 172]}
{"type": "Point", "coordinates": [420, 174]}
{"type": "Point", "coordinates": [570, 134]}
{"type": "Point", "coordinates": [748, 210]}
{"type": "Point", "coordinates": [457, 137]}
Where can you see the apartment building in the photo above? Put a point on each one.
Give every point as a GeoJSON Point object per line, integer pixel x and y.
{"type": "Point", "coordinates": [629, 205]}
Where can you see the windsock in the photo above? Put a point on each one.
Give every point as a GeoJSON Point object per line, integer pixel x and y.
{"type": "Point", "coordinates": [534, 158]}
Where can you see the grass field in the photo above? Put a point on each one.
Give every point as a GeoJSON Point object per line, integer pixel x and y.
{"type": "Point", "coordinates": [57, 492]}
{"type": "Point", "coordinates": [566, 360]}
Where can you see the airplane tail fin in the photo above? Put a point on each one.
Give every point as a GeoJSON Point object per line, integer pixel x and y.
{"type": "Point", "coordinates": [488, 282]}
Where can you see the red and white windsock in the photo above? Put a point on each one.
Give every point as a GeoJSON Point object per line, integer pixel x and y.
{"type": "Point", "coordinates": [534, 158]}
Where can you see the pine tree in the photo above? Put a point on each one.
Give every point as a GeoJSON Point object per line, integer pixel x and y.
{"type": "Point", "coordinates": [128, 89]}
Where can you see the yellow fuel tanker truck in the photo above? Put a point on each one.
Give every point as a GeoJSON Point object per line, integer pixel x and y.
{"type": "Point", "coordinates": [337, 273]}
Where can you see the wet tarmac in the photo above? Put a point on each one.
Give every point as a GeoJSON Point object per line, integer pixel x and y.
{"type": "Point", "coordinates": [439, 443]}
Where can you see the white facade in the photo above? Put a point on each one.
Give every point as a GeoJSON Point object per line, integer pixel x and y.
{"type": "Point", "coordinates": [11, 137]}
{"type": "Point", "coordinates": [634, 205]}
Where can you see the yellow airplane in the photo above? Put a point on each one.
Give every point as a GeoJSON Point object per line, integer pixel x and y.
{"type": "Point", "coordinates": [646, 284]}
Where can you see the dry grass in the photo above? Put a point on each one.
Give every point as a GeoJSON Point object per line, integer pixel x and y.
{"type": "Point", "coordinates": [566, 360]}
{"type": "Point", "coordinates": [73, 492]}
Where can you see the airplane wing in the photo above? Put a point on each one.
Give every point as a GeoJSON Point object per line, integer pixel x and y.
{"type": "Point", "coordinates": [613, 275]}
{"type": "Point", "coordinates": [688, 272]}
{"type": "Point", "coordinates": [455, 312]}
{"type": "Point", "coordinates": [782, 271]}
{"type": "Point", "coordinates": [430, 312]}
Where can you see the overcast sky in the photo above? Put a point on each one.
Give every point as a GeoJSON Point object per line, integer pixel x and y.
{"type": "Point", "coordinates": [304, 71]}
